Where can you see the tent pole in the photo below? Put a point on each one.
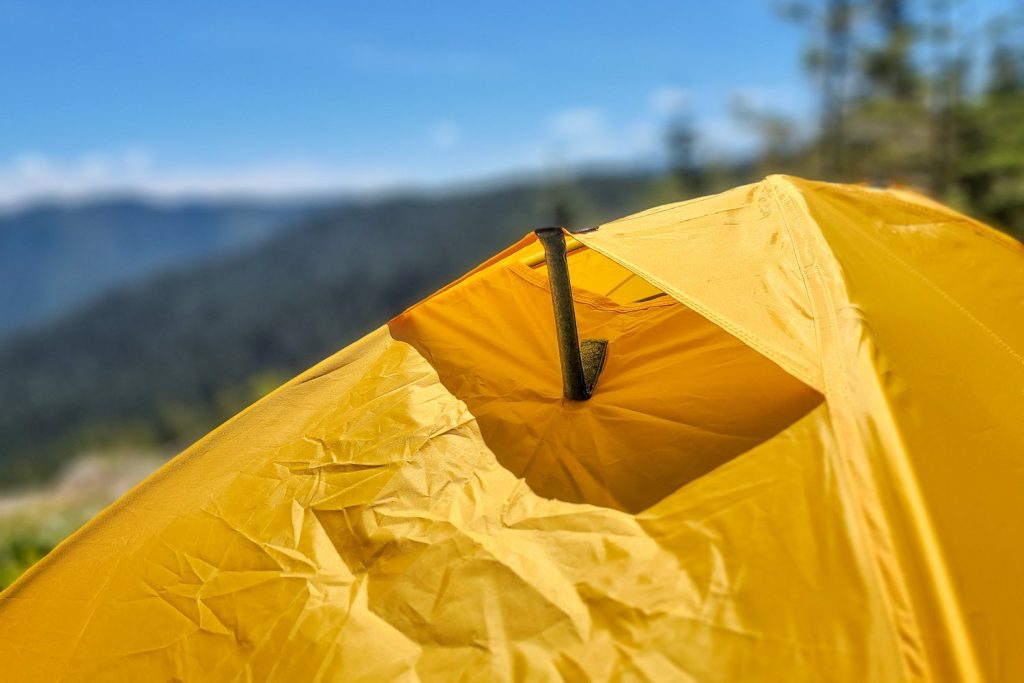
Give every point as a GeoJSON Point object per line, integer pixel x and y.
{"type": "Point", "coordinates": [580, 366]}
{"type": "Point", "coordinates": [571, 245]}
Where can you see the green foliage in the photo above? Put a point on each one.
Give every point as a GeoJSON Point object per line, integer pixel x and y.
{"type": "Point", "coordinates": [20, 550]}
{"type": "Point", "coordinates": [990, 171]}
{"type": "Point", "coordinates": [898, 104]}
{"type": "Point", "coordinates": [25, 538]}
{"type": "Point", "coordinates": [35, 520]}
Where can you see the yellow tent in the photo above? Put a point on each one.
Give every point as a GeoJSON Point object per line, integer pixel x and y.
{"type": "Point", "coordinates": [803, 460]}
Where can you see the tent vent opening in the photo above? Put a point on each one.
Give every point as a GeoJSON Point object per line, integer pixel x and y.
{"type": "Point", "coordinates": [676, 396]}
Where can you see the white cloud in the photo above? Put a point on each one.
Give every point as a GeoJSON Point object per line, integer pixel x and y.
{"type": "Point", "coordinates": [752, 96]}
{"type": "Point", "coordinates": [445, 135]}
{"type": "Point", "coordinates": [578, 134]}
{"type": "Point", "coordinates": [782, 98]}
{"type": "Point", "coordinates": [644, 135]}
{"type": "Point", "coordinates": [585, 134]}
{"type": "Point", "coordinates": [725, 135]}
{"type": "Point", "coordinates": [581, 134]}
{"type": "Point", "coordinates": [33, 176]}
{"type": "Point", "coordinates": [669, 100]}
{"type": "Point", "coordinates": [578, 123]}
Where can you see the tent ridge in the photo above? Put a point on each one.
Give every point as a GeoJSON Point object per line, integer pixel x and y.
{"type": "Point", "coordinates": [791, 364]}
{"type": "Point", "coordinates": [964, 654]}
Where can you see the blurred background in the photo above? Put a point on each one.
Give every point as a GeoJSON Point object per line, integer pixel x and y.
{"type": "Point", "coordinates": [199, 200]}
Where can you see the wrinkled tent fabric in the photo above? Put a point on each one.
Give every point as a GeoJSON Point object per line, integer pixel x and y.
{"type": "Point", "coordinates": [803, 463]}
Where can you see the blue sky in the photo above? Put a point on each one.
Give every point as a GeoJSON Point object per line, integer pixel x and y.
{"type": "Point", "coordinates": [225, 97]}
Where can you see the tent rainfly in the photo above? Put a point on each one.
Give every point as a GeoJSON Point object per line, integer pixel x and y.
{"type": "Point", "coordinates": [802, 459]}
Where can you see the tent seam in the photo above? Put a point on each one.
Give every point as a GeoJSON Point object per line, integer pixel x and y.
{"type": "Point", "coordinates": [822, 319]}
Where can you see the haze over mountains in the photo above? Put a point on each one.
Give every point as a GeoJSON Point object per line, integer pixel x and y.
{"type": "Point", "coordinates": [162, 361]}
{"type": "Point", "coordinates": [56, 256]}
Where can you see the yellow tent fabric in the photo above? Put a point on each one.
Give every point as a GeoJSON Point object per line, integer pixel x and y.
{"type": "Point", "coordinates": [804, 460]}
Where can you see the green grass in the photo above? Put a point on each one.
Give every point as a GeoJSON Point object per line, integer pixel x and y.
{"type": "Point", "coordinates": [34, 521]}
{"type": "Point", "coordinates": [21, 549]}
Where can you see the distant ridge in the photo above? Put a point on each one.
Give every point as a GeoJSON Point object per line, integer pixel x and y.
{"type": "Point", "coordinates": [55, 256]}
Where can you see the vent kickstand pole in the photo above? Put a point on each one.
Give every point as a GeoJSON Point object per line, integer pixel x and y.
{"type": "Point", "coordinates": [579, 369]}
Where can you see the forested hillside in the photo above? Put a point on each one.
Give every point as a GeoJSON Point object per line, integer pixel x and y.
{"type": "Point", "coordinates": [163, 362]}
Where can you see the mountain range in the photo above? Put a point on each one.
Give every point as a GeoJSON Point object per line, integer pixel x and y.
{"type": "Point", "coordinates": [56, 256]}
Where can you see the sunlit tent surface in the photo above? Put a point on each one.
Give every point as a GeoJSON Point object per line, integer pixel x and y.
{"type": "Point", "coordinates": [804, 460]}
